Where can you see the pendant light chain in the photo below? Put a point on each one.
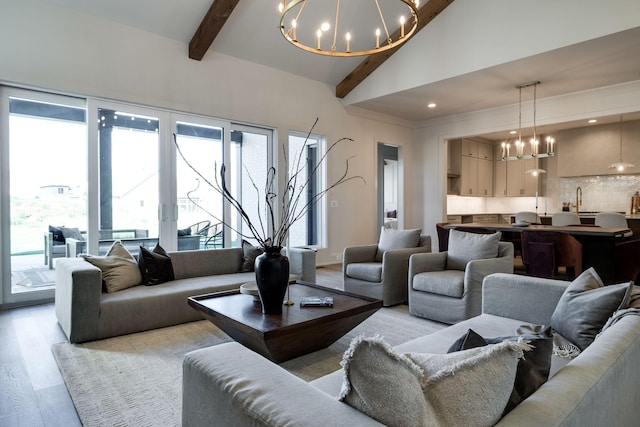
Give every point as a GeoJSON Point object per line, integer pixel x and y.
{"type": "Point", "coordinates": [384, 24]}
{"type": "Point", "coordinates": [335, 27]}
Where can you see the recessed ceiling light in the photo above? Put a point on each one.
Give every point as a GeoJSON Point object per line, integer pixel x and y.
{"type": "Point", "coordinates": [513, 132]}
{"type": "Point", "coordinates": [592, 121]}
{"type": "Point", "coordinates": [431, 105]}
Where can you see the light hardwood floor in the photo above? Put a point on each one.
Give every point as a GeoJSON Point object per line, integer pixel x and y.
{"type": "Point", "coordinates": [32, 392]}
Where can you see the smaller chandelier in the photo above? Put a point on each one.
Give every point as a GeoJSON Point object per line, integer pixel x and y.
{"type": "Point", "coordinates": [298, 28]}
{"type": "Point", "coordinates": [537, 152]}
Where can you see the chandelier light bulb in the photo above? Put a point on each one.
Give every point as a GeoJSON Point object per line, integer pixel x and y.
{"type": "Point", "coordinates": [377, 38]}
{"type": "Point", "coordinates": [280, 7]}
{"type": "Point", "coordinates": [294, 28]}
{"type": "Point", "coordinates": [319, 35]}
{"type": "Point", "coordinates": [402, 26]}
{"type": "Point", "coordinates": [348, 37]}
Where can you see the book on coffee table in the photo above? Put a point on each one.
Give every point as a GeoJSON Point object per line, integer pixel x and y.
{"type": "Point", "coordinates": [316, 302]}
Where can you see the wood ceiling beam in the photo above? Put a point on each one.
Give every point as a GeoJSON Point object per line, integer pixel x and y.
{"type": "Point", "coordinates": [210, 26]}
{"type": "Point", "coordinates": [426, 14]}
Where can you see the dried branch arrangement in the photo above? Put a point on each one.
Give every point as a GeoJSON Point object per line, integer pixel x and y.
{"type": "Point", "coordinates": [280, 212]}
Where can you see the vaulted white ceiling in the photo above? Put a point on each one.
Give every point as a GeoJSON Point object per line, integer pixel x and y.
{"type": "Point", "coordinates": [251, 33]}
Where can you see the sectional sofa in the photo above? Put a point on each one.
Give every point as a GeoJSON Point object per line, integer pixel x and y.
{"type": "Point", "coordinates": [86, 313]}
{"type": "Point", "coordinates": [229, 385]}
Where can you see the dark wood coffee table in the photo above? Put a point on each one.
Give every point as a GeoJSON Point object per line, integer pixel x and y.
{"type": "Point", "coordinates": [297, 331]}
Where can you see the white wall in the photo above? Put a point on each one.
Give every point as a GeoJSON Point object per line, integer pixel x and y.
{"type": "Point", "coordinates": [47, 47]}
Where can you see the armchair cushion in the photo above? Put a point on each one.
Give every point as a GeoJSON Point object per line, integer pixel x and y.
{"type": "Point", "coordinates": [396, 239]}
{"type": "Point", "coordinates": [368, 271]}
{"type": "Point", "coordinates": [465, 247]}
{"type": "Point", "coordinates": [446, 282]}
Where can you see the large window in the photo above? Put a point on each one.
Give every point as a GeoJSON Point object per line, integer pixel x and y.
{"type": "Point", "coordinates": [303, 157]}
{"type": "Point", "coordinates": [90, 171]}
{"type": "Point", "coordinates": [44, 161]}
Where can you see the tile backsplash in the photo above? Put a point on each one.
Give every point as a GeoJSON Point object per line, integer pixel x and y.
{"type": "Point", "coordinates": [610, 193]}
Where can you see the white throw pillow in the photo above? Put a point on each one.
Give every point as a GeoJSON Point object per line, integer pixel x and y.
{"type": "Point", "coordinates": [465, 247]}
{"type": "Point", "coordinates": [397, 239]}
{"type": "Point", "coordinates": [119, 268]}
{"type": "Point", "coordinates": [470, 387]}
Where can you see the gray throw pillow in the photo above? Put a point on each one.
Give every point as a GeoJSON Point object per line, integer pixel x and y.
{"type": "Point", "coordinates": [465, 247]}
{"type": "Point", "coordinates": [71, 233]}
{"type": "Point", "coordinates": [429, 389]}
{"type": "Point", "coordinates": [119, 268]}
{"type": "Point", "coordinates": [586, 305]}
{"type": "Point", "coordinates": [396, 239]}
{"type": "Point", "coordinates": [249, 255]}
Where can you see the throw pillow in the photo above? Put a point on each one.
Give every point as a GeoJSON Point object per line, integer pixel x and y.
{"type": "Point", "coordinates": [465, 247]}
{"type": "Point", "coordinates": [71, 233]}
{"type": "Point", "coordinates": [249, 255]}
{"type": "Point", "coordinates": [429, 389]}
{"type": "Point", "coordinates": [533, 368]}
{"type": "Point", "coordinates": [57, 234]}
{"type": "Point", "coordinates": [383, 384]}
{"type": "Point", "coordinates": [119, 268]}
{"type": "Point", "coordinates": [396, 239]}
{"type": "Point", "coordinates": [155, 266]}
{"type": "Point", "coordinates": [184, 232]}
{"type": "Point", "coordinates": [585, 306]}
{"type": "Point", "coordinates": [469, 387]}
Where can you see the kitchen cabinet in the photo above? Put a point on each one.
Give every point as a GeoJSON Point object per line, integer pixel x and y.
{"type": "Point", "coordinates": [476, 168]}
{"type": "Point", "coordinates": [469, 147]}
{"type": "Point", "coordinates": [469, 177]}
{"type": "Point", "coordinates": [499, 174]}
{"type": "Point", "coordinates": [485, 177]}
{"type": "Point", "coordinates": [520, 183]}
{"type": "Point", "coordinates": [454, 166]}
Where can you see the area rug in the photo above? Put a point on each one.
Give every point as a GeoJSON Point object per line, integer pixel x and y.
{"type": "Point", "coordinates": [136, 380]}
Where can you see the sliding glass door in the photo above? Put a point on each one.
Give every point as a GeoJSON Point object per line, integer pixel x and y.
{"type": "Point", "coordinates": [128, 146]}
{"type": "Point", "coordinates": [200, 148]}
{"type": "Point", "coordinates": [78, 174]}
{"type": "Point", "coordinates": [44, 187]}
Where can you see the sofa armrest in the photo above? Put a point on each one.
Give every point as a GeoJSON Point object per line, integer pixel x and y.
{"type": "Point", "coordinates": [302, 262]}
{"type": "Point", "coordinates": [77, 299]}
{"type": "Point", "coordinates": [230, 385]}
{"type": "Point", "coordinates": [366, 253]}
{"type": "Point", "coordinates": [526, 298]}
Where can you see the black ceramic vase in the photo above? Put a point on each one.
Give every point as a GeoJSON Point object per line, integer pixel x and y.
{"type": "Point", "coordinates": [272, 278]}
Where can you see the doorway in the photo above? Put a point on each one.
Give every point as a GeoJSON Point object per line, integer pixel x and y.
{"type": "Point", "coordinates": [389, 186]}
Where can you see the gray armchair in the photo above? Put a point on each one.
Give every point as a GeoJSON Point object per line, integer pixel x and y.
{"type": "Point", "coordinates": [446, 293]}
{"type": "Point", "coordinates": [368, 271]}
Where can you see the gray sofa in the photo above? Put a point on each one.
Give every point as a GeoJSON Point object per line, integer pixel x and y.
{"type": "Point", "coordinates": [86, 313]}
{"type": "Point", "coordinates": [228, 385]}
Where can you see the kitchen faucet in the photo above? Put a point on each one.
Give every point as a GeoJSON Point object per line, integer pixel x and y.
{"type": "Point", "coordinates": [578, 199]}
